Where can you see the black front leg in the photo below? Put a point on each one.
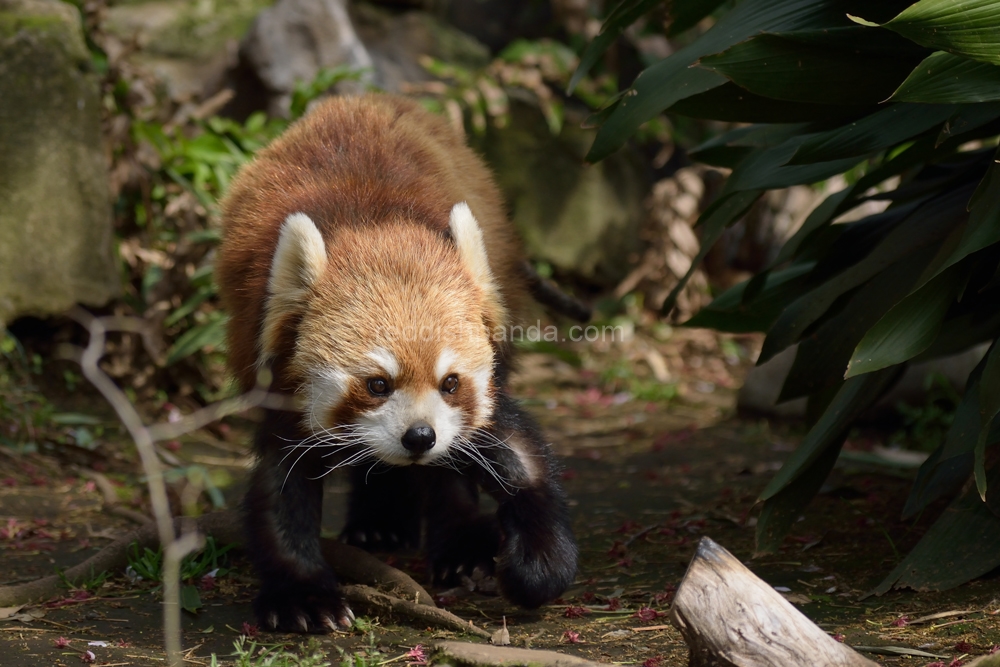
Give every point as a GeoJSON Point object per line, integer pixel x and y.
{"type": "Point", "coordinates": [283, 508]}
{"type": "Point", "coordinates": [537, 559]}
{"type": "Point", "coordinates": [383, 510]}
{"type": "Point", "coordinates": [459, 539]}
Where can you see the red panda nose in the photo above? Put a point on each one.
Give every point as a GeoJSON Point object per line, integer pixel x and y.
{"type": "Point", "coordinates": [419, 438]}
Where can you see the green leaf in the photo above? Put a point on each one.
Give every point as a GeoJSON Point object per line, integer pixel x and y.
{"type": "Point", "coordinates": [685, 14]}
{"type": "Point", "coordinates": [726, 210]}
{"type": "Point", "coordinates": [776, 66]}
{"type": "Point", "coordinates": [989, 407]}
{"type": "Point", "coordinates": [672, 79]}
{"type": "Point", "coordinates": [729, 102]}
{"type": "Point", "coordinates": [909, 327]}
{"type": "Point", "coordinates": [964, 543]}
{"type": "Point", "coordinates": [767, 168]}
{"type": "Point", "coordinates": [728, 312]}
{"type": "Point", "coordinates": [964, 27]}
{"type": "Point", "coordinates": [878, 131]}
{"type": "Point", "coordinates": [190, 599]}
{"type": "Point", "coordinates": [823, 355]}
{"type": "Point", "coordinates": [983, 228]}
{"type": "Point", "coordinates": [782, 509]}
{"type": "Point", "coordinates": [946, 78]}
{"type": "Point", "coordinates": [968, 118]}
{"type": "Point", "coordinates": [622, 16]}
{"type": "Point", "coordinates": [854, 396]}
{"type": "Point", "coordinates": [211, 334]}
{"type": "Point", "coordinates": [655, 89]}
{"type": "Point", "coordinates": [924, 226]}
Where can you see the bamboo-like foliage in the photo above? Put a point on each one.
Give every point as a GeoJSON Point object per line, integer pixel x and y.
{"type": "Point", "coordinates": [903, 98]}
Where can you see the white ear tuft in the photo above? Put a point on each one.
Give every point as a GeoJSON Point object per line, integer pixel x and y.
{"type": "Point", "coordinates": [472, 249]}
{"type": "Point", "coordinates": [300, 257]}
{"type": "Point", "coordinates": [299, 261]}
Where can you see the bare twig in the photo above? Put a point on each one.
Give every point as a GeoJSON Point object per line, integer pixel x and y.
{"type": "Point", "coordinates": [144, 439]}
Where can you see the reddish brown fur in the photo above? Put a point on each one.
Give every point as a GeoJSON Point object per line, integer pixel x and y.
{"type": "Point", "coordinates": [364, 169]}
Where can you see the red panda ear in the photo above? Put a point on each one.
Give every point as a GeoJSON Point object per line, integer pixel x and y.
{"type": "Point", "coordinates": [299, 261]}
{"type": "Point", "coordinates": [471, 248]}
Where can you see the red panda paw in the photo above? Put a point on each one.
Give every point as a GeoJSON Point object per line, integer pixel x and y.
{"type": "Point", "coordinates": [314, 607]}
{"type": "Point", "coordinates": [465, 552]}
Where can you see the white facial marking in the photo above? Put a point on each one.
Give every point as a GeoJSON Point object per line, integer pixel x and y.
{"type": "Point", "coordinates": [324, 391]}
{"type": "Point", "coordinates": [386, 360]}
{"type": "Point", "coordinates": [444, 364]}
{"type": "Point", "coordinates": [387, 424]}
{"type": "Point", "coordinates": [481, 383]}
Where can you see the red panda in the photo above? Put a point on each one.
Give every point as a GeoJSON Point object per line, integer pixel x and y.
{"type": "Point", "coordinates": [367, 262]}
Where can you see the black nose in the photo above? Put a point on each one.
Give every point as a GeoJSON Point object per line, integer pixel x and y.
{"type": "Point", "coordinates": [419, 438]}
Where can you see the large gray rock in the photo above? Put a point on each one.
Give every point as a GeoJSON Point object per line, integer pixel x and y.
{"type": "Point", "coordinates": [291, 41]}
{"type": "Point", "coordinates": [188, 44]}
{"type": "Point", "coordinates": [55, 209]}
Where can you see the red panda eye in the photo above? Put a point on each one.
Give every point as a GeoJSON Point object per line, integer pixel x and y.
{"type": "Point", "coordinates": [379, 387]}
{"type": "Point", "coordinates": [450, 384]}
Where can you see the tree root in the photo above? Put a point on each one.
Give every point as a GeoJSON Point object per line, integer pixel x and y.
{"type": "Point", "coordinates": [405, 598]}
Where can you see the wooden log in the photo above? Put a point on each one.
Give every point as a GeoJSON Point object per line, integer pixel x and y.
{"type": "Point", "coordinates": [730, 618]}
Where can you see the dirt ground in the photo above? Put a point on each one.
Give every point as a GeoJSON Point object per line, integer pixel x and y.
{"type": "Point", "coordinates": [647, 480]}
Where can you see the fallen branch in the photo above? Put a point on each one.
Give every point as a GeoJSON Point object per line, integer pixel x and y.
{"type": "Point", "coordinates": [367, 600]}
{"type": "Point", "coordinates": [462, 654]}
{"type": "Point", "coordinates": [404, 598]}
{"type": "Point", "coordinates": [729, 617]}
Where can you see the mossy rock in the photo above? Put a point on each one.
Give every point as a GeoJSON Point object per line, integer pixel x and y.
{"type": "Point", "coordinates": [55, 210]}
{"type": "Point", "coordinates": [583, 219]}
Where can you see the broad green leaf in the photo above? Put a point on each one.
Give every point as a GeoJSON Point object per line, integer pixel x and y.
{"type": "Point", "coordinates": [968, 118]}
{"type": "Point", "coordinates": [728, 312]}
{"type": "Point", "coordinates": [723, 212]}
{"type": "Point", "coordinates": [672, 79]}
{"type": "Point", "coordinates": [823, 355]}
{"type": "Point", "coordinates": [949, 79]}
{"type": "Point", "coordinates": [622, 16]}
{"type": "Point", "coordinates": [854, 396]}
{"type": "Point", "coordinates": [782, 509]}
{"type": "Point", "coordinates": [775, 66]}
{"type": "Point", "coordinates": [882, 129]}
{"type": "Point", "coordinates": [729, 102]}
{"type": "Point", "coordinates": [989, 407]}
{"type": "Point", "coordinates": [820, 216]}
{"type": "Point", "coordinates": [964, 27]}
{"type": "Point", "coordinates": [909, 327]}
{"type": "Point", "coordinates": [964, 543]}
{"type": "Point", "coordinates": [685, 14]}
{"type": "Point", "coordinates": [210, 334]}
{"type": "Point", "coordinates": [923, 227]}
{"type": "Point", "coordinates": [983, 227]}
{"type": "Point", "coordinates": [655, 89]}
{"type": "Point", "coordinates": [951, 463]}
{"type": "Point", "coordinates": [767, 168]}
{"type": "Point", "coordinates": [190, 598]}
{"type": "Point", "coordinates": [960, 333]}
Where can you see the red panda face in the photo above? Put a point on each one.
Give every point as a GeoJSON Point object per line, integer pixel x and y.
{"type": "Point", "coordinates": [392, 349]}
